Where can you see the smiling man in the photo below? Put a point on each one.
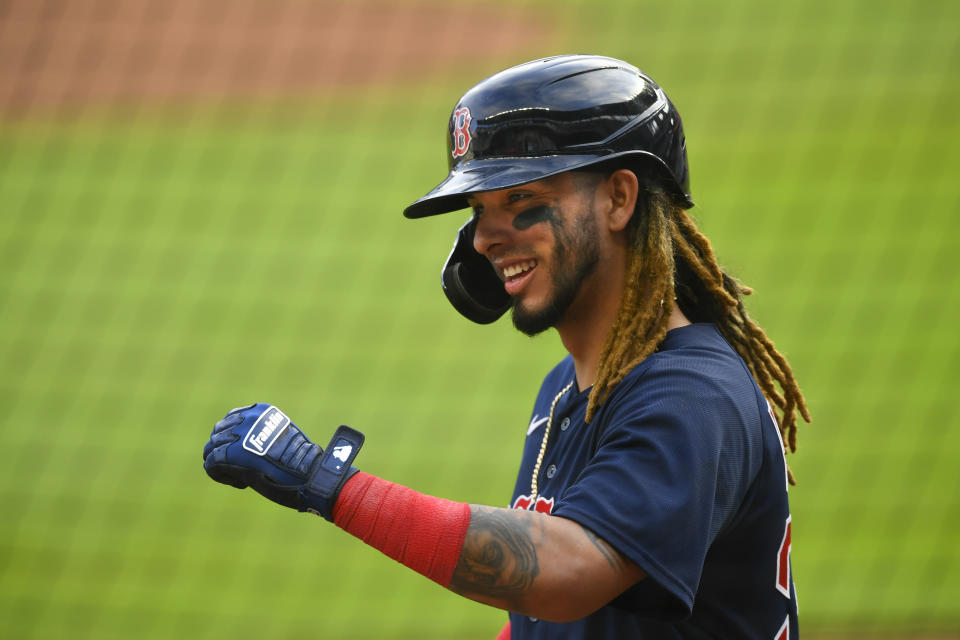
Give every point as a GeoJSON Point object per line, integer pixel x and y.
{"type": "Point", "coordinates": [651, 499]}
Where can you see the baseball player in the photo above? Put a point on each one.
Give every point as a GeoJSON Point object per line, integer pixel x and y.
{"type": "Point", "coordinates": [651, 499]}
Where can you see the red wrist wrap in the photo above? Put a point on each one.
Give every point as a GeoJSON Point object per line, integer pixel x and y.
{"type": "Point", "coordinates": [421, 532]}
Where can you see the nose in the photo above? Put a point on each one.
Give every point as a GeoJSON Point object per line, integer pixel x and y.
{"type": "Point", "coordinates": [492, 231]}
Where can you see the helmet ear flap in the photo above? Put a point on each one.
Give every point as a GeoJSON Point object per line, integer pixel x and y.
{"type": "Point", "coordinates": [470, 282]}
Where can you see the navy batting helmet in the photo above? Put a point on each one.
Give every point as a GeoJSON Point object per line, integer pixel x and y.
{"type": "Point", "coordinates": [539, 119]}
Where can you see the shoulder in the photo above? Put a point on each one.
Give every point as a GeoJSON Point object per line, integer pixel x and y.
{"type": "Point", "coordinates": [690, 360]}
{"type": "Point", "coordinates": [695, 375]}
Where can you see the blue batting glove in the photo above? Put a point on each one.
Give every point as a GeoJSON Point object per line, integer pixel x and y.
{"type": "Point", "coordinates": [258, 446]}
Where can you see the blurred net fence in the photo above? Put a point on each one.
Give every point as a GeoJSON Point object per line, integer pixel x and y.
{"type": "Point", "coordinates": [60, 56]}
{"type": "Point", "coordinates": [200, 208]}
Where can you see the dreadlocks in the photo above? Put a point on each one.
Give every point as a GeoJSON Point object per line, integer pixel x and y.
{"type": "Point", "coordinates": [673, 262]}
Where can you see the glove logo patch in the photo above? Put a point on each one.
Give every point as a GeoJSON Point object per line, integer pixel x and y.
{"type": "Point", "coordinates": [339, 454]}
{"type": "Point", "coordinates": [342, 452]}
{"type": "Point", "coordinates": [265, 431]}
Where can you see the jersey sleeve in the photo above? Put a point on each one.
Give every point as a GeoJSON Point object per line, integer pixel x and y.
{"type": "Point", "coordinates": [672, 462]}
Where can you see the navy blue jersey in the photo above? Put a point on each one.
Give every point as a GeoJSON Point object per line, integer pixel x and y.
{"type": "Point", "coordinates": [682, 471]}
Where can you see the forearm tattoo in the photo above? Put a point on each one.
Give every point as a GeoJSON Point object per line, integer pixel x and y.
{"type": "Point", "coordinates": [499, 557]}
{"type": "Point", "coordinates": [613, 558]}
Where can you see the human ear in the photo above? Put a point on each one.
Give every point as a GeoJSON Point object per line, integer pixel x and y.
{"type": "Point", "coordinates": [623, 187]}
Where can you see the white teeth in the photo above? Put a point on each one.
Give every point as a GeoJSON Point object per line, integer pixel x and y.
{"type": "Point", "coordinates": [520, 267]}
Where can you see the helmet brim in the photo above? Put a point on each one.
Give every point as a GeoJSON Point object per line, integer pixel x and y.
{"type": "Point", "coordinates": [493, 174]}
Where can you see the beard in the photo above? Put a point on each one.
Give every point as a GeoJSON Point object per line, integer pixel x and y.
{"type": "Point", "coordinates": [575, 255]}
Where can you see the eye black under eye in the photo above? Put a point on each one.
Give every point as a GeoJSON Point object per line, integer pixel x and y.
{"type": "Point", "coordinates": [529, 217]}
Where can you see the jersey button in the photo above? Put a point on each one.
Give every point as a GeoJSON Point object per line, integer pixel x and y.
{"type": "Point", "coordinates": [565, 424]}
{"type": "Point", "coordinates": [551, 471]}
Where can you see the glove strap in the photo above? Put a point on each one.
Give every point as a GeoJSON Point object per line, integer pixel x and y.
{"type": "Point", "coordinates": [332, 471]}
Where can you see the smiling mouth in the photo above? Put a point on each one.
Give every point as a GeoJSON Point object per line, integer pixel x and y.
{"type": "Point", "coordinates": [517, 270]}
{"type": "Point", "coordinates": [516, 275]}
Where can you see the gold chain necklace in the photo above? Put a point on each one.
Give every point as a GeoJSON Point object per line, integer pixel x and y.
{"type": "Point", "coordinates": [543, 447]}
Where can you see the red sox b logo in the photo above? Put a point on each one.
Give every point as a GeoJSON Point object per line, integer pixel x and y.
{"type": "Point", "coordinates": [461, 131]}
{"type": "Point", "coordinates": [544, 505]}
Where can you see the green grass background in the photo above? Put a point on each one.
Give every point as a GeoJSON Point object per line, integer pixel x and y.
{"type": "Point", "coordinates": [160, 268]}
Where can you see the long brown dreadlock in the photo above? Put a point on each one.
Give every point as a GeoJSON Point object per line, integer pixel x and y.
{"type": "Point", "coordinates": [673, 262]}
